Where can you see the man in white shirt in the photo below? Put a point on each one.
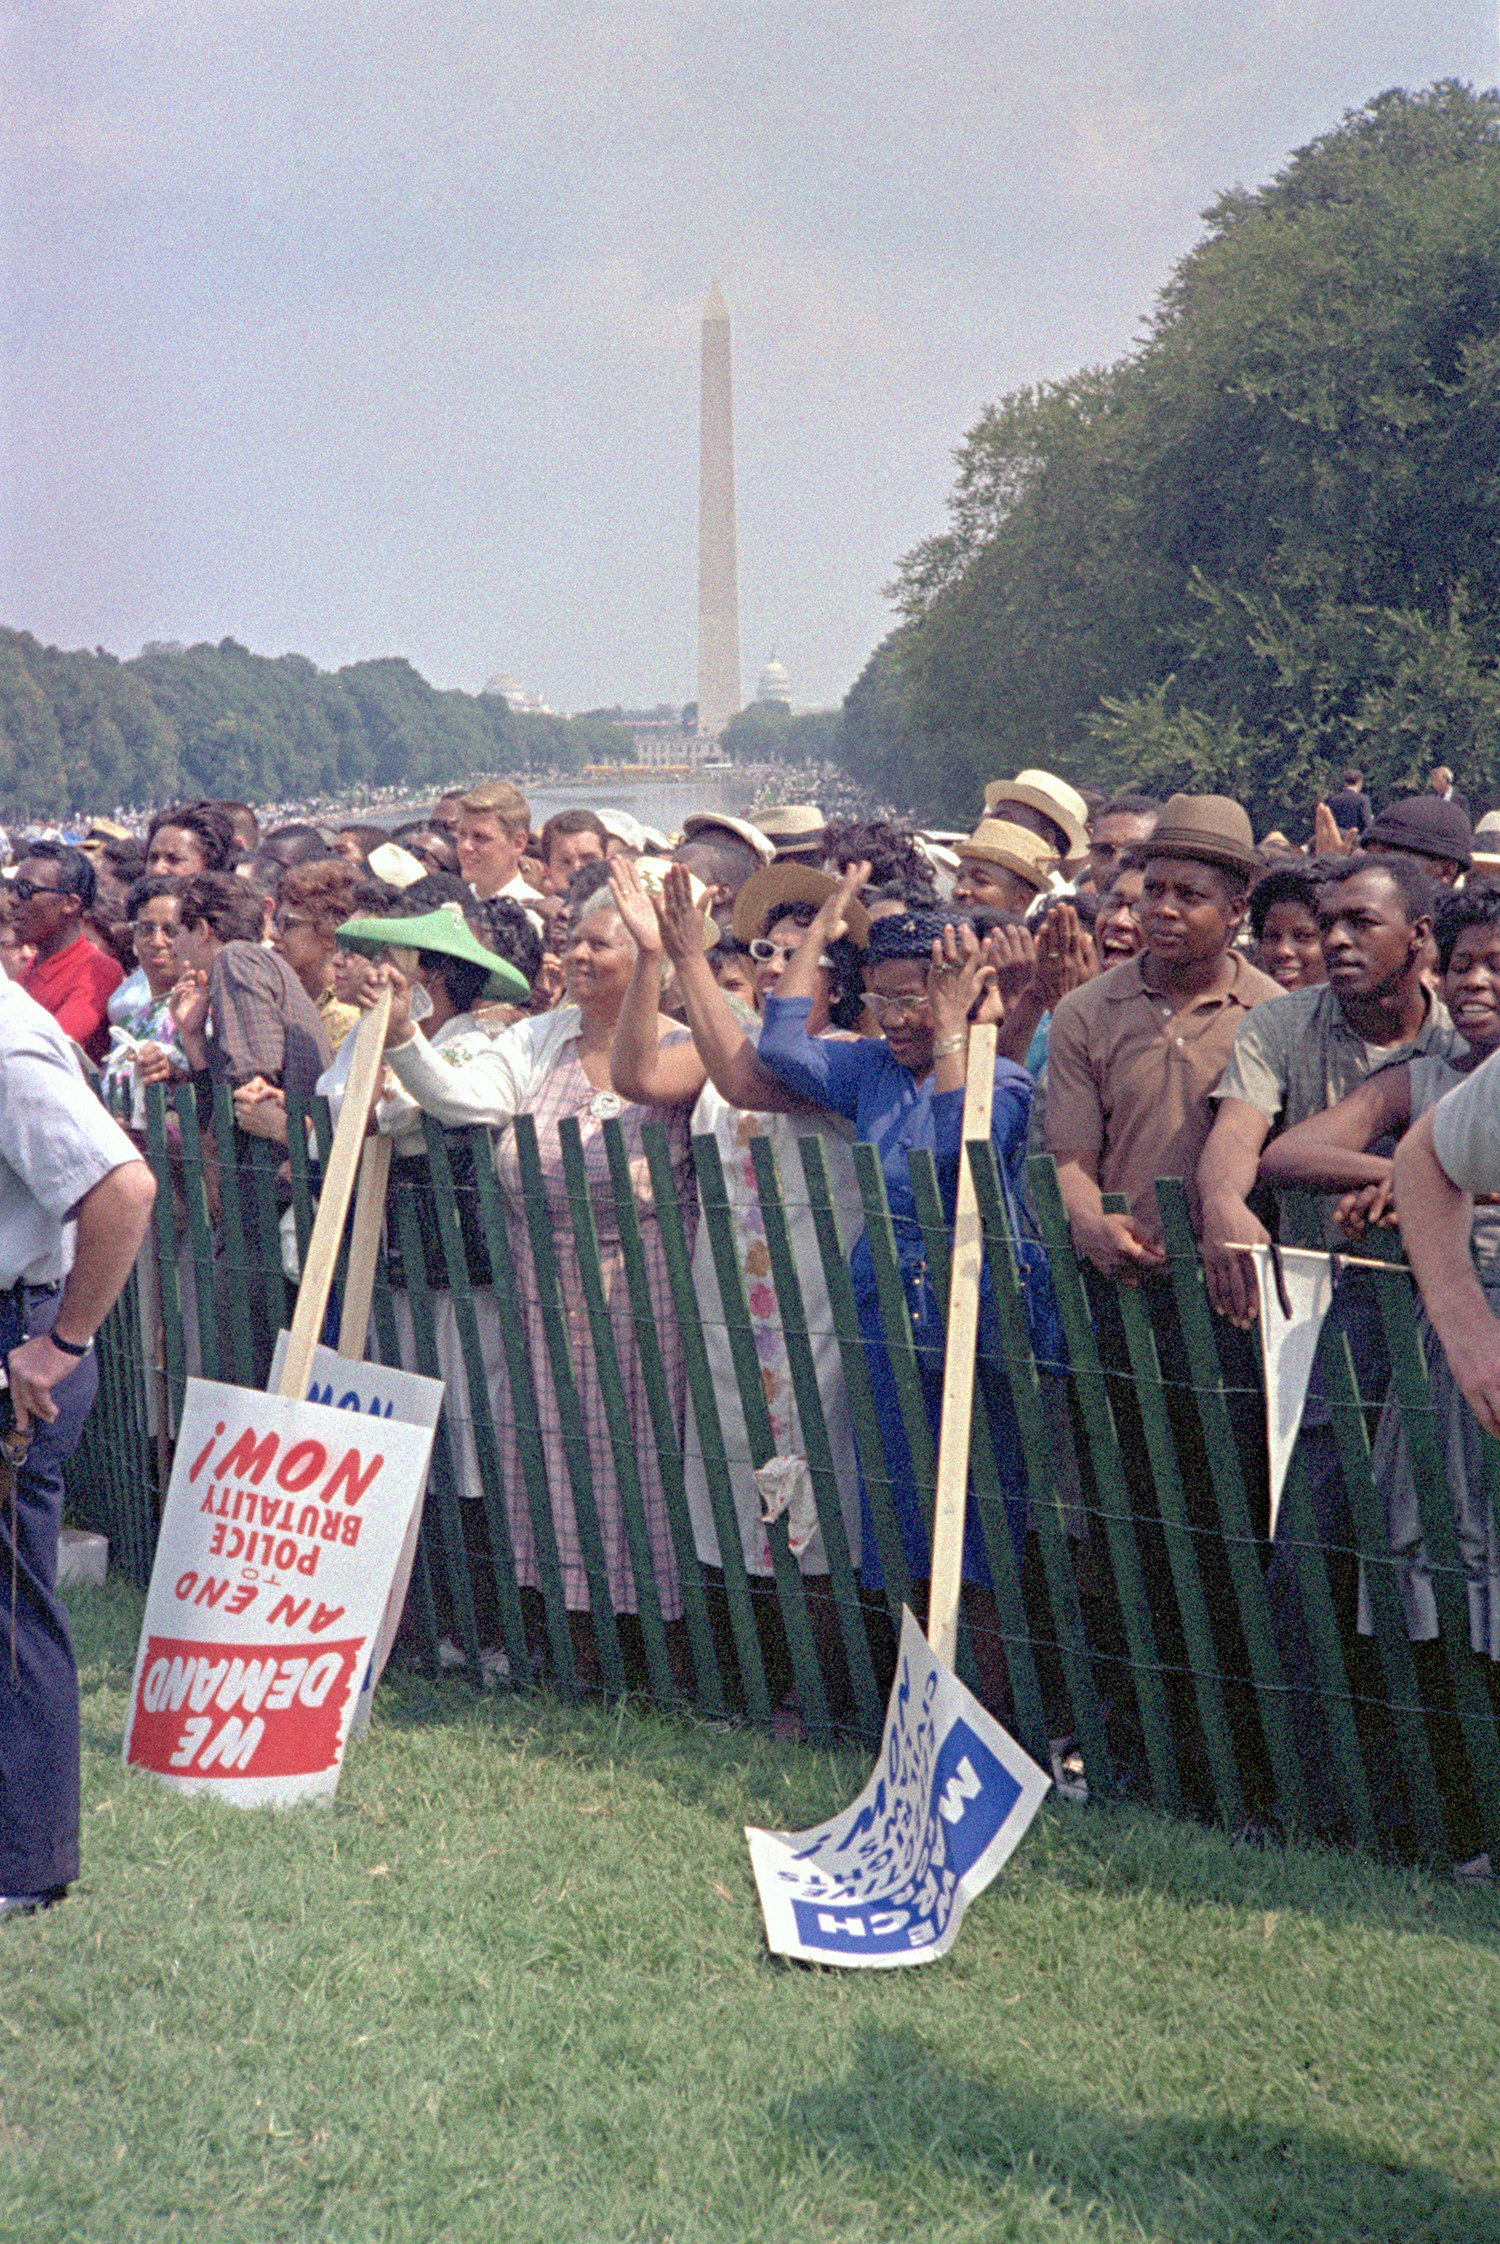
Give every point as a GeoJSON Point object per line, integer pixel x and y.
{"type": "Point", "coordinates": [494, 822]}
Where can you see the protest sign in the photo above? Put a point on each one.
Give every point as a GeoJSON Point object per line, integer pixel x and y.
{"type": "Point", "coordinates": [1295, 1287]}
{"type": "Point", "coordinates": [887, 1881]}
{"type": "Point", "coordinates": [346, 1383]}
{"type": "Point", "coordinates": [283, 1525]}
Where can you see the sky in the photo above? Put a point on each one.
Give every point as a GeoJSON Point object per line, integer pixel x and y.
{"type": "Point", "coordinates": [370, 327]}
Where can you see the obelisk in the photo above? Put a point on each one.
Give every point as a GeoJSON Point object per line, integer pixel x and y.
{"type": "Point", "coordinates": [718, 574]}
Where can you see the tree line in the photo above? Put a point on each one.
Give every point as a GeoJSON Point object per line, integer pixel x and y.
{"type": "Point", "coordinates": [1263, 545]}
{"type": "Point", "coordinates": [86, 732]}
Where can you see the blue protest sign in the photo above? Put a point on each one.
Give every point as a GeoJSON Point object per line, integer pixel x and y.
{"type": "Point", "coordinates": [887, 1881]}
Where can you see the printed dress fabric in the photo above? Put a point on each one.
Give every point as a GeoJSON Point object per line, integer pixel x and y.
{"type": "Point", "coordinates": [864, 1081]}
{"type": "Point", "coordinates": [1460, 1449]}
{"type": "Point", "coordinates": [735, 1129]}
{"type": "Point", "coordinates": [562, 1091]}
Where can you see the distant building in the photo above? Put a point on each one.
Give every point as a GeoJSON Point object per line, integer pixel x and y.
{"type": "Point", "coordinates": [516, 697]}
{"type": "Point", "coordinates": [775, 684]}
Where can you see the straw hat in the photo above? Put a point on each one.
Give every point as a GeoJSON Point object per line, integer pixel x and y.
{"type": "Point", "coordinates": [774, 887]}
{"type": "Point", "coordinates": [704, 821]}
{"type": "Point", "coordinates": [445, 931]}
{"type": "Point", "coordinates": [996, 842]}
{"type": "Point", "coordinates": [792, 826]}
{"type": "Point", "coordinates": [1053, 797]}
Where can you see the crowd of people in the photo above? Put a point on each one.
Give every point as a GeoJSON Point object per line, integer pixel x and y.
{"type": "Point", "coordinates": [1172, 999]}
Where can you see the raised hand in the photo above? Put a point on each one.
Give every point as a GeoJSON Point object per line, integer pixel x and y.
{"type": "Point", "coordinates": [635, 907]}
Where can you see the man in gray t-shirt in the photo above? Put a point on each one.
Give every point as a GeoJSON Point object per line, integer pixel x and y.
{"type": "Point", "coordinates": [74, 1200]}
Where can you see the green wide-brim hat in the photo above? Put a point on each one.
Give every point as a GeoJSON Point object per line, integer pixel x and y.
{"type": "Point", "coordinates": [445, 931]}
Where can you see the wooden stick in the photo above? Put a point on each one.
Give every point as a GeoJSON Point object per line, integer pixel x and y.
{"type": "Point", "coordinates": [333, 1201]}
{"type": "Point", "coordinates": [958, 1360]}
{"type": "Point", "coordinates": [364, 1246]}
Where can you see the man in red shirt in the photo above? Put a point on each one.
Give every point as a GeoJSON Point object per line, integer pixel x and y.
{"type": "Point", "coordinates": [53, 888]}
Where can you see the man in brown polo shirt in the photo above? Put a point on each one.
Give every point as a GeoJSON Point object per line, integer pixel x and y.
{"type": "Point", "coordinates": [1132, 1061]}
{"type": "Point", "coordinates": [1133, 1056]}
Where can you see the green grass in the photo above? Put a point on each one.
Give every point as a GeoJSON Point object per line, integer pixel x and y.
{"type": "Point", "coordinates": [512, 1984]}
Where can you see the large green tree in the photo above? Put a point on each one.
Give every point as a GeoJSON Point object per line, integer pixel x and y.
{"type": "Point", "coordinates": [1263, 545]}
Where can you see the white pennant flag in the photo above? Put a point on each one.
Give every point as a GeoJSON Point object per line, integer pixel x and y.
{"type": "Point", "coordinates": [1288, 1345]}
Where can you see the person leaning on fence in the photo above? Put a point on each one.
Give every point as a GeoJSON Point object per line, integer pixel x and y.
{"type": "Point", "coordinates": [737, 1101]}
{"type": "Point", "coordinates": [74, 1202]}
{"type": "Point", "coordinates": [441, 1062]}
{"type": "Point", "coordinates": [1133, 1057]}
{"type": "Point", "coordinates": [1338, 1152]}
{"type": "Point", "coordinates": [1293, 1059]}
{"type": "Point", "coordinates": [903, 1091]}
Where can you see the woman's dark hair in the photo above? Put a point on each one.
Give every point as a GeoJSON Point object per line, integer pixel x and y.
{"type": "Point", "coordinates": [231, 907]}
{"type": "Point", "coordinates": [1459, 909]}
{"type": "Point", "coordinates": [211, 827]}
{"type": "Point", "coordinates": [148, 888]}
{"type": "Point", "coordinates": [505, 926]}
{"type": "Point", "coordinates": [892, 853]}
{"type": "Point", "coordinates": [1289, 884]}
{"type": "Point", "coordinates": [323, 888]}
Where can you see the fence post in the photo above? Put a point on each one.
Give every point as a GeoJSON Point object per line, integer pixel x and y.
{"type": "Point", "coordinates": [789, 1590]}
{"type": "Point", "coordinates": [1182, 1555]}
{"type": "Point", "coordinates": [664, 1422]}
{"type": "Point", "coordinates": [872, 1458]}
{"type": "Point", "coordinates": [1091, 1389]}
{"type": "Point", "coordinates": [1194, 1321]}
{"type": "Point", "coordinates": [793, 1313]}
{"type": "Point", "coordinates": [520, 1377]}
{"type": "Point", "coordinates": [569, 1409]}
{"type": "Point", "coordinates": [1471, 1696]}
{"type": "Point", "coordinates": [486, 1448]}
{"type": "Point", "coordinates": [706, 1418]}
{"type": "Point", "coordinates": [1026, 1395]}
{"type": "Point", "coordinates": [616, 1410]}
{"type": "Point", "coordinates": [195, 1200]}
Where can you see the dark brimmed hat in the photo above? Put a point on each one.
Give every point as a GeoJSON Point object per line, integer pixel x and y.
{"type": "Point", "coordinates": [445, 931]}
{"type": "Point", "coordinates": [1422, 826]}
{"type": "Point", "coordinates": [1211, 829]}
{"type": "Point", "coordinates": [775, 886]}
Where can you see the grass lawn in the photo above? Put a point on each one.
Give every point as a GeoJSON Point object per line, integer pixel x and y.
{"type": "Point", "coordinates": [512, 1985]}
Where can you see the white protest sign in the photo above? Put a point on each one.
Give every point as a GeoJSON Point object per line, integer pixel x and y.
{"type": "Point", "coordinates": [1288, 1345]}
{"type": "Point", "coordinates": [349, 1383]}
{"type": "Point", "coordinates": [281, 1532]}
{"type": "Point", "coordinates": [887, 1881]}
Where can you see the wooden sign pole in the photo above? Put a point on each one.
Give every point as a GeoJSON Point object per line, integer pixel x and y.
{"type": "Point", "coordinates": [958, 1360]}
{"type": "Point", "coordinates": [333, 1202]}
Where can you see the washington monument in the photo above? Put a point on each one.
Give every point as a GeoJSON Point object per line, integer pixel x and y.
{"type": "Point", "coordinates": [718, 575]}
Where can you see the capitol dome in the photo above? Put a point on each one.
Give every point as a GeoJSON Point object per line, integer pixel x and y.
{"type": "Point", "coordinates": [775, 684]}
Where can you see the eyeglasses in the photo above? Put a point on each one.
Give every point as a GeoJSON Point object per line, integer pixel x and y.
{"type": "Point", "coordinates": [23, 890]}
{"type": "Point", "coordinates": [894, 1008]}
{"type": "Point", "coordinates": [284, 926]}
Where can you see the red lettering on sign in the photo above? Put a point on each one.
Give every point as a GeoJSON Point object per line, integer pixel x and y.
{"type": "Point", "coordinates": [262, 1711]}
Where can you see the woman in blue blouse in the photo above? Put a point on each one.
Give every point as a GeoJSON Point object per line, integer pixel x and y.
{"type": "Point", "coordinates": [902, 1085]}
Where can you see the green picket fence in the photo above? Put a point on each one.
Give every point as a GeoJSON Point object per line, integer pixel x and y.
{"type": "Point", "coordinates": [1138, 1624]}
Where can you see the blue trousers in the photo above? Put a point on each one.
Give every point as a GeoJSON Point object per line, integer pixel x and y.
{"type": "Point", "coordinates": [38, 1676]}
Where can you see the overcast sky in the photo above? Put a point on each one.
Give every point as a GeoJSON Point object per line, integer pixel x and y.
{"type": "Point", "coordinates": [362, 327]}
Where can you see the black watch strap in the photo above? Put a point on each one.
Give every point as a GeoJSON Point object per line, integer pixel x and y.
{"type": "Point", "coordinates": [70, 1347]}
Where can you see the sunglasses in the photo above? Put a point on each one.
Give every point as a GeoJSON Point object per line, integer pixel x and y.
{"type": "Point", "coordinates": [894, 1008]}
{"type": "Point", "coordinates": [762, 950]}
{"type": "Point", "coordinates": [23, 890]}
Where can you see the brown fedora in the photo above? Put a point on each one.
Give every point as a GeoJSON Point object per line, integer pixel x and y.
{"type": "Point", "coordinates": [1210, 828]}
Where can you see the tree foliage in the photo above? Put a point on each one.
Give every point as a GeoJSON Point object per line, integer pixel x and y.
{"type": "Point", "coordinates": [1263, 545]}
{"type": "Point", "coordinates": [88, 732]}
